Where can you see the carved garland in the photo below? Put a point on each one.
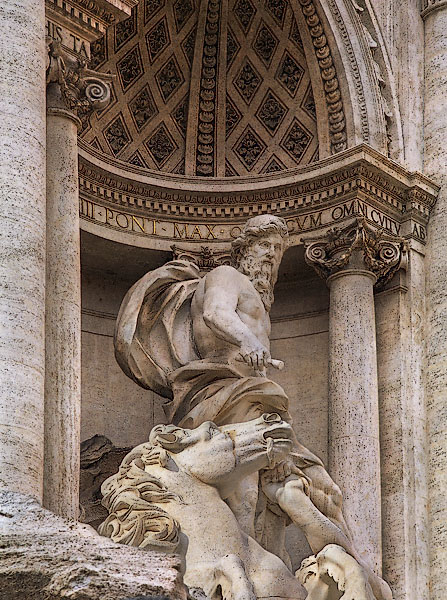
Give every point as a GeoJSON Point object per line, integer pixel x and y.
{"type": "Point", "coordinates": [334, 102]}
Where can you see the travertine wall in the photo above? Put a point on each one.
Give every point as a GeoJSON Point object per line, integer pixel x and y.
{"type": "Point", "coordinates": [112, 404]}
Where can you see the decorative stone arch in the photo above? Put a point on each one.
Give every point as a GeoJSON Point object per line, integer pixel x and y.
{"type": "Point", "coordinates": [354, 89]}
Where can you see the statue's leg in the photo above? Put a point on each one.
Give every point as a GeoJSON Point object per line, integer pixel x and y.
{"type": "Point", "coordinates": [319, 529]}
{"type": "Point", "coordinates": [243, 503]}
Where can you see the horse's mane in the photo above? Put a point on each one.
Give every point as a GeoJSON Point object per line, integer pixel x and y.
{"type": "Point", "coordinates": [129, 497]}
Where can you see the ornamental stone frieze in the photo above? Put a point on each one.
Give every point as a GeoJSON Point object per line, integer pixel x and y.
{"type": "Point", "coordinates": [149, 209]}
{"type": "Point", "coordinates": [356, 246]}
{"type": "Point", "coordinates": [72, 86]}
{"type": "Point", "coordinates": [76, 24]}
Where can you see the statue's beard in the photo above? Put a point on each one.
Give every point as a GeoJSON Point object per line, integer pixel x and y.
{"type": "Point", "coordinates": [261, 274]}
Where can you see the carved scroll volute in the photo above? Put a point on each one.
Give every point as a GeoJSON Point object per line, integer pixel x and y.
{"type": "Point", "coordinates": [380, 253]}
{"type": "Point", "coordinates": [72, 86]}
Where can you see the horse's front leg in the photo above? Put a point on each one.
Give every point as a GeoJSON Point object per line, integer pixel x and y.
{"type": "Point", "coordinates": [243, 503]}
{"type": "Point", "coordinates": [230, 582]}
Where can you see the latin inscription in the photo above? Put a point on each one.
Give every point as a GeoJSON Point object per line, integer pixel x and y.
{"type": "Point", "coordinates": [329, 216]}
{"type": "Point", "coordinates": [181, 230]}
{"type": "Point", "coordinates": [67, 38]}
{"type": "Point", "coordinates": [152, 227]}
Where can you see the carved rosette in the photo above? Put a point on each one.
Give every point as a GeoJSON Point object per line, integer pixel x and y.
{"type": "Point", "coordinates": [72, 86]}
{"type": "Point", "coordinates": [381, 253]}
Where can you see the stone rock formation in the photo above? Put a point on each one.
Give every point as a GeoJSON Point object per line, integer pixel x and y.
{"type": "Point", "coordinates": [43, 556]}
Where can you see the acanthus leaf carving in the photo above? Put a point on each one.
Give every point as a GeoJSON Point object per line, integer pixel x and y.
{"type": "Point", "coordinates": [78, 89]}
{"type": "Point", "coordinates": [382, 253]}
{"type": "Point", "coordinates": [205, 258]}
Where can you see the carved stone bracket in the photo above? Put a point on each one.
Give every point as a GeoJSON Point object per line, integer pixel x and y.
{"type": "Point", "coordinates": [429, 6]}
{"type": "Point", "coordinates": [381, 254]}
{"type": "Point", "coordinates": [205, 258]}
{"type": "Point", "coordinates": [71, 86]}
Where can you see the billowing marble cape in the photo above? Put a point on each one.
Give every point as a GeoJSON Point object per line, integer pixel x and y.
{"type": "Point", "coordinates": [154, 345]}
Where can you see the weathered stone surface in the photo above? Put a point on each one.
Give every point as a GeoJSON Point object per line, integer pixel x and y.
{"type": "Point", "coordinates": [99, 460]}
{"type": "Point", "coordinates": [45, 557]}
{"type": "Point", "coordinates": [22, 256]}
{"type": "Point", "coordinates": [434, 165]}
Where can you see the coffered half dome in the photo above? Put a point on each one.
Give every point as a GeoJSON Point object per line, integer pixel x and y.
{"type": "Point", "coordinates": [207, 87]}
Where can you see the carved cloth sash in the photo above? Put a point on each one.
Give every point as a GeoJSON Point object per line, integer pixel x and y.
{"type": "Point", "coordinates": [154, 345]}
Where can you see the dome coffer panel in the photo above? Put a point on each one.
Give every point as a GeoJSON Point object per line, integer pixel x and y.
{"type": "Point", "coordinates": [207, 87]}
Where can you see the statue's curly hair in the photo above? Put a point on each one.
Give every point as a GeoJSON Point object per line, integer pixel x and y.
{"type": "Point", "coordinates": [254, 228]}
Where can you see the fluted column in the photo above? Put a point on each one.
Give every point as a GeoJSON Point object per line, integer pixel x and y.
{"type": "Point", "coordinates": [22, 244]}
{"type": "Point", "coordinates": [352, 261]}
{"type": "Point", "coordinates": [72, 92]}
{"type": "Point", "coordinates": [435, 161]}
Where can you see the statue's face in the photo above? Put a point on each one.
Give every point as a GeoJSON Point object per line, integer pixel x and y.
{"type": "Point", "coordinates": [260, 262]}
{"type": "Point", "coordinates": [268, 249]}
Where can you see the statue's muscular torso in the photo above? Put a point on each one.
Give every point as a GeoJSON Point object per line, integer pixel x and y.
{"type": "Point", "coordinates": [229, 319]}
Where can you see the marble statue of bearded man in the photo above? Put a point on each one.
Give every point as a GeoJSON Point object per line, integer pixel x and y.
{"type": "Point", "coordinates": [202, 342]}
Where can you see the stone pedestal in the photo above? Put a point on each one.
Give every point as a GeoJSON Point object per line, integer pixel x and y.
{"type": "Point", "coordinates": [22, 243]}
{"type": "Point", "coordinates": [72, 91]}
{"type": "Point", "coordinates": [435, 126]}
{"type": "Point", "coordinates": [352, 260]}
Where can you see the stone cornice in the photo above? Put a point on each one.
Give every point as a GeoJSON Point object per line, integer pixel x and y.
{"type": "Point", "coordinates": [95, 15]}
{"type": "Point", "coordinates": [357, 182]}
{"type": "Point", "coordinates": [429, 6]}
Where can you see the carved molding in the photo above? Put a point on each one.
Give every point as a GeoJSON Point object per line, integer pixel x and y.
{"type": "Point", "coordinates": [156, 210]}
{"type": "Point", "coordinates": [72, 86]}
{"type": "Point", "coordinates": [355, 70]}
{"type": "Point", "coordinates": [382, 254]}
{"type": "Point", "coordinates": [93, 14]}
{"type": "Point", "coordinates": [334, 101]}
{"type": "Point", "coordinates": [429, 6]}
{"type": "Point", "coordinates": [205, 258]}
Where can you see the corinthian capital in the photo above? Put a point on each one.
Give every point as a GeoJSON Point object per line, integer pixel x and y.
{"type": "Point", "coordinates": [72, 86]}
{"type": "Point", "coordinates": [357, 246]}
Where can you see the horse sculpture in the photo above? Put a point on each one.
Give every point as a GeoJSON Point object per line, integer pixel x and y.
{"type": "Point", "coordinates": [169, 495]}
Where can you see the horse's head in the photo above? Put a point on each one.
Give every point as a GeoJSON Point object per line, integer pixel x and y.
{"type": "Point", "coordinates": [216, 456]}
{"type": "Point", "coordinates": [221, 456]}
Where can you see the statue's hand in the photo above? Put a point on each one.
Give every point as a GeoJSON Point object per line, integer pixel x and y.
{"type": "Point", "coordinates": [280, 472]}
{"type": "Point", "coordinates": [255, 355]}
